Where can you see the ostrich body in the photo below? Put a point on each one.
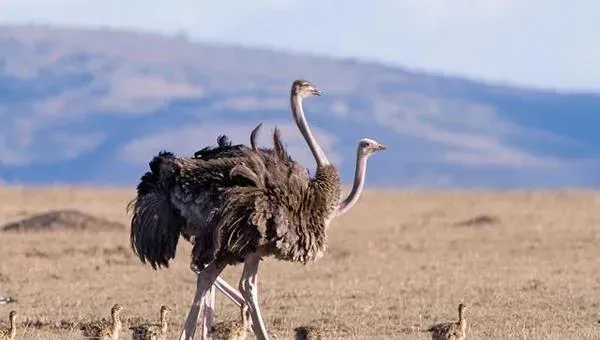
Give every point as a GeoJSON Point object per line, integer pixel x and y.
{"type": "Point", "coordinates": [308, 333]}
{"type": "Point", "coordinates": [366, 147]}
{"type": "Point", "coordinates": [10, 332]}
{"type": "Point", "coordinates": [151, 331]}
{"type": "Point", "coordinates": [234, 329]}
{"type": "Point", "coordinates": [102, 329]}
{"type": "Point", "coordinates": [451, 330]}
{"type": "Point", "coordinates": [236, 208]}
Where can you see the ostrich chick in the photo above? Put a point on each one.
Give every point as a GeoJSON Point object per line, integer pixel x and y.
{"type": "Point", "coordinates": [152, 331]}
{"type": "Point", "coordinates": [451, 330]}
{"type": "Point", "coordinates": [102, 329]}
{"type": "Point", "coordinates": [234, 329]}
{"type": "Point", "coordinates": [308, 333]}
{"type": "Point", "coordinates": [10, 332]}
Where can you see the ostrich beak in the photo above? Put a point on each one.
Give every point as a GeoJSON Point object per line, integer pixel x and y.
{"type": "Point", "coordinates": [317, 92]}
{"type": "Point", "coordinates": [380, 147]}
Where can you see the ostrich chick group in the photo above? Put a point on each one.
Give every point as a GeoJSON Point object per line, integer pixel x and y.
{"type": "Point", "coordinates": [110, 330]}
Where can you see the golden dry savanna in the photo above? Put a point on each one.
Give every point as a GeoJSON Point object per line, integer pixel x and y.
{"type": "Point", "coordinates": [526, 263]}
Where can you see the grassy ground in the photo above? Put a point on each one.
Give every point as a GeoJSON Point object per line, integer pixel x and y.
{"type": "Point", "coordinates": [399, 262]}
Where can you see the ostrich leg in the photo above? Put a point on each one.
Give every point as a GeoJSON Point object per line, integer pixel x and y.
{"type": "Point", "coordinates": [204, 282]}
{"type": "Point", "coordinates": [249, 290]}
{"type": "Point", "coordinates": [229, 291]}
{"type": "Point", "coordinates": [224, 287]}
{"type": "Point", "coordinates": [209, 313]}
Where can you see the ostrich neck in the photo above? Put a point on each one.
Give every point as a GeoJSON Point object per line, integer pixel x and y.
{"type": "Point", "coordinates": [116, 324]}
{"type": "Point", "coordinates": [13, 328]}
{"type": "Point", "coordinates": [327, 179]}
{"type": "Point", "coordinates": [357, 187]}
{"type": "Point", "coordinates": [163, 323]}
{"type": "Point", "coordinates": [298, 112]}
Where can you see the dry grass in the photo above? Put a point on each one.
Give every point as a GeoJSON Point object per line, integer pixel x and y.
{"type": "Point", "coordinates": [526, 263]}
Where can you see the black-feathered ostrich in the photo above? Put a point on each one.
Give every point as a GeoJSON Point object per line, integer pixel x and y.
{"type": "Point", "coordinates": [238, 209]}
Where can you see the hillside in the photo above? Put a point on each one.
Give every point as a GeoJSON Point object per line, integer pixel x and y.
{"type": "Point", "coordinates": [92, 107]}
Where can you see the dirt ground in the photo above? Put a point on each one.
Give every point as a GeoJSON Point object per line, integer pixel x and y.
{"type": "Point", "coordinates": [526, 263]}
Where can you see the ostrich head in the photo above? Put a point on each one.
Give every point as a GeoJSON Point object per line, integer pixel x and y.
{"type": "Point", "coordinates": [461, 316]}
{"type": "Point", "coordinates": [116, 310]}
{"type": "Point", "coordinates": [301, 333]}
{"type": "Point", "coordinates": [164, 310]}
{"type": "Point", "coordinates": [13, 315]}
{"type": "Point", "coordinates": [367, 146]}
{"type": "Point", "coordinates": [304, 89]}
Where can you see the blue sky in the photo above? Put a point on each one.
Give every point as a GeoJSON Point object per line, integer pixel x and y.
{"type": "Point", "coordinates": [545, 43]}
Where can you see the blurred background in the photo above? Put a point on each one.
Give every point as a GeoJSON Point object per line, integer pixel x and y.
{"type": "Point", "coordinates": [465, 94]}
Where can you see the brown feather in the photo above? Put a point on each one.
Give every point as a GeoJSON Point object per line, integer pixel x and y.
{"type": "Point", "coordinates": [243, 202]}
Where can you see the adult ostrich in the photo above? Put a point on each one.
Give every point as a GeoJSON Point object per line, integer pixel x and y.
{"type": "Point", "coordinates": [224, 149]}
{"type": "Point", "coordinates": [238, 209]}
{"type": "Point", "coordinates": [366, 147]}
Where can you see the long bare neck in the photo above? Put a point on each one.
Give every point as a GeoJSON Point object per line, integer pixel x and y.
{"type": "Point", "coordinates": [359, 182]}
{"type": "Point", "coordinates": [298, 112]}
{"type": "Point", "coordinates": [115, 327]}
{"type": "Point", "coordinates": [327, 179]}
{"type": "Point", "coordinates": [163, 322]}
{"type": "Point", "coordinates": [13, 327]}
{"type": "Point", "coordinates": [461, 319]}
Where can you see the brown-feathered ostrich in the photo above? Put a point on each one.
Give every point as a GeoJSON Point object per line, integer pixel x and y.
{"type": "Point", "coordinates": [236, 208]}
{"type": "Point", "coordinates": [365, 148]}
{"type": "Point", "coordinates": [451, 330]}
{"type": "Point", "coordinates": [152, 331]}
{"type": "Point", "coordinates": [103, 329]}
{"type": "Point", "coordinates": [233, 329]}
{"type": "Point", "coordinates": [226, 149]}
{"type": "Point", "coordinates": [10, 332]}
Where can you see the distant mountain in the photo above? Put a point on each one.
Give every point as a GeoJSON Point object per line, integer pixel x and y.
{"type": "Point", "coordinates": [93, 106]}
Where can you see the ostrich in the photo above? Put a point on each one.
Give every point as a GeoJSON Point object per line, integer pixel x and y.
{"type": "Point", "coordinates": [366, 147]}
{"type": "Point", "coordinates": [308, 333]}
{"type": "Point", "coordinates": [451, 330]}
{"type": "Point", "coordinates": [226, 149]}
{"type": "Point", "coordinates": [233, 330]}
{"type": "Point", "coordinates": [102, 329]}
{"type": "Point", "coordinates": [152, 331]}
{"type": "Point", "coordinates": [10, 332]}
{"type": "Point", "coordinates": [265, 209]}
